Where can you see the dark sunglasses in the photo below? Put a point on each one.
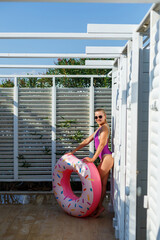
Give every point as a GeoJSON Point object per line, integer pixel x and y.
{"type": "Point", "coordinates": [100, 117]}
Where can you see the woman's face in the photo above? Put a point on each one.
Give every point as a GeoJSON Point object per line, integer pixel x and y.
{"type": "Point", "coordinates": [100, 117]}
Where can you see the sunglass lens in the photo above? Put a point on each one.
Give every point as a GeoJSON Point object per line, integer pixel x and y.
{"type": "Point", "coordinates": [100, 117]}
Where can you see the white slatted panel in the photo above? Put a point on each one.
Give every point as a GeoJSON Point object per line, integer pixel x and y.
{"type": "Point", "coordinates": [116, 99]}
{"type": "Point", "coordinates": [72, 104]}
{"type": "Point", "coordinates": [35, 127]}
{"type": "Point", "coordinates": [122, 143]}
{"type": "Point", "coordinates": [128, 145]}
{"type": "Point", "coordinates": [153, 213]}
{"type": "Point", "coordinates": [119, 149]}
{"type": "Point", "coordinates": [6, 133]}
{"type": "Point", "coordinates": [114, 91]}
{"type": "Point", "coordinates": [103, 99]}
{"type": "Point", "coordinates": [34, 122]}
{"type": "Point", "coordinates": [132, 130]}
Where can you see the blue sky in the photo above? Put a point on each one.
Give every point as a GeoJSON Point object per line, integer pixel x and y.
{"type": "Point", "coordinates": [60, 17]}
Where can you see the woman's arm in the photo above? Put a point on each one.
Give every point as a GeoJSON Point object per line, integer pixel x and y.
{"type": "Point", "coordinates": [103, 141]}
{"type": "Point", "coordinates": [83, 144]}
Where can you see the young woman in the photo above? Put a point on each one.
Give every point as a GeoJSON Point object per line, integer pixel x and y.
{"type": "Point", "coordinates": [101, 137]}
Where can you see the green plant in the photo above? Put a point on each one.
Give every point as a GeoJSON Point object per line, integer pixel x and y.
{"type": "Point", "coordinates": [68, 132]}
{"type": "Point", "coordinates": [20, 157]}
{"type": "Point", "coordinates": [7, 83]}
{"type": "Point", "coordinates": [47, 150]}
{"type": "Point", "coordinates": [26, 164]}
{"type": "Point", "coordinates": [77, 136]}
{"type": "Point", "coordinates": [41, 136]}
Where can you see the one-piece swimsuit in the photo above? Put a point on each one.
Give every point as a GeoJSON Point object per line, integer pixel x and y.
{"type": "Point", "coordinates": [105, 149]}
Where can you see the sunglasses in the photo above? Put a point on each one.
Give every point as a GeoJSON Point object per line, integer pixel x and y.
{"type": "Point", "coordinates": [100, 117]}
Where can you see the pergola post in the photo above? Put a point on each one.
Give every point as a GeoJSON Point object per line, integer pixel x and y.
{"type": "Point", "coordinates": [53, 124]}
{"type": "Point", "coordinates": [15, 120]}
{"type": "Point", "coordinates": [91, 118]}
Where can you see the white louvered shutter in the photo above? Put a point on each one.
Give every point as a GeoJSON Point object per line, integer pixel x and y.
{"type": "Point", "coordinates": [153, 212]}
{"type": "Point", "coordinates": [34, 134]}
{"type": "Point", "coordinates": [116, 85]}
{"type": "Point", "coordinates": [128, 145]}
{"type": "Point", "coordinates": [6, 134]}
{"type": "Point", "coordinates": [122, 143]}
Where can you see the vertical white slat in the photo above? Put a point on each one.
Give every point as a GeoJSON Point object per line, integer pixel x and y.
{"type": "Point", "coordinates": [53, 124]}
{"type": "Point", "coordinates": [115, 122]}
{"type": "Point", "coordinates": [137, 43]}
{"type": "Point", "coordinates": [123, 101]}
{"type": "Point", "coordinates": [114, 86]}
{"type": "Point", "coordinates": [91, 118]}
{"type": "Point", "coordinates": [128, 140]}
{"type": "Point", "coordinates": [117, 154]}
{"type": "Point", "coordinates": [114, 89]}
{"type": "Point", "coordinates": [15, 129]}
{"type": "Point", "coordinates": [153, 192]}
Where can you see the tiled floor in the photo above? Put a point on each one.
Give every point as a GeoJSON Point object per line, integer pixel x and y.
{"type": "Point", "coordinates": [49, 222]}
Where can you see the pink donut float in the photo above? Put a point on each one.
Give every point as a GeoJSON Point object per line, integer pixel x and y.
{"type": "Point", "coordinates": [91, 186]}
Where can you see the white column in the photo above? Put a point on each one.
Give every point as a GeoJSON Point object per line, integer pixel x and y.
{"type": "Point", "coordinates": [122, 146]}
{"type": "Point", "coordinates": [91, 118]}
{"type": "Point", "coordinates": [53, 124]}
{"type": "Point", "coordinates": [15, 107]}
{"type": "Point", "coordinates": [137, 44]}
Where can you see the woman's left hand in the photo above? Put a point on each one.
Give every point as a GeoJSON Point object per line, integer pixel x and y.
{"type": "Point", "coordinates": [88, 159]}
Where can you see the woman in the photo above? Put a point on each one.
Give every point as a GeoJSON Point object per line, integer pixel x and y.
{"type": "Point", "coordinates": [101, 137]}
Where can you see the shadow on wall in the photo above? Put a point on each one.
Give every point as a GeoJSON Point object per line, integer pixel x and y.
{"type": "Point", "coordinates": [158, 235]}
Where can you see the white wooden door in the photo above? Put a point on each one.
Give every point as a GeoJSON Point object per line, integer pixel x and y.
{"type": "Point", "coordinates": [132, 130]}
{"type": "Point", "coordinates": [122, 141]}
{"type": "Point", "coordinates": [115, 128]}
{"type": "Point", "coordinates": [128, 140]}
{"type": "Point", "coordinates": [153, 212]}
{"type": "Point", "coordinates": [119, 113]}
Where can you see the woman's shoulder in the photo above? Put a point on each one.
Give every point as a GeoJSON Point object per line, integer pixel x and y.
{"type": "Point", "coordinates": [105, 127]}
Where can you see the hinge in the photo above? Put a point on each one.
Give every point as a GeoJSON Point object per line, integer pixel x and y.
{"type": "Point", "coordinates": [146, 202]}
{"type": "Point", "coordinates": [129, 106]}
{"type": "Point", "coordinates": [127, 190]}
{"type": "Point", "coordinates": [154, 106]}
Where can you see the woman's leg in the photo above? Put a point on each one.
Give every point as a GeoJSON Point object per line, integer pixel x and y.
{"type": "Point", "coordinates": [104, 169]}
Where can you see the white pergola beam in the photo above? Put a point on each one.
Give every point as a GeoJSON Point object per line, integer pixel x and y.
{"type": "Point", "coordinates": [89, 1]}
{"type": "Point", "coordinates": [99, 63]}
{"type": "Point", "coordinates": [94, 31]}
{"type": "Point", "coordinates": [50, 76]}
{"type": "Point", "coordinates": [110, 52]}
{"type": "Point", "coordinates": [104, 50]}
{"type": "Point", "coordinates": [114, 29]}
{"type": "Point", "coordinates": [87, 66]}
{"type": "Point", "coordinates": [73, 36]}
{"type": "Point", "coordinates": [55, 55]}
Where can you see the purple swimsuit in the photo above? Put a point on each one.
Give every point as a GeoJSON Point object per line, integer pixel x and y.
{"type": "Point", "coordinates": [105, 149]}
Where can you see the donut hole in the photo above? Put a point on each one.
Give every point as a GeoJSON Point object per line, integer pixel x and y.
{"type": "Point", "coordinates": [76, 184]}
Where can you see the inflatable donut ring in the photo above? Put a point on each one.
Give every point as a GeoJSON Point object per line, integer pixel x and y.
{"type": "Point", "coordinates": [91, 186]}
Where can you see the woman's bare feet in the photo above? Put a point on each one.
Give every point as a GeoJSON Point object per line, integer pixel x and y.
{"type": "Point", "coordinates": [99, 211]}
{"type": "Point", "coordinates": [94, 213]}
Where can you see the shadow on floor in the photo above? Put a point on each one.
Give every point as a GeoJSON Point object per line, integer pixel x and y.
{"type": "Point", "coordinates": [49, 222]}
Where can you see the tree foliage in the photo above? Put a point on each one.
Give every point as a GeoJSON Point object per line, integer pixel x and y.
{"type": "Point", "coordinates": [65, 81]}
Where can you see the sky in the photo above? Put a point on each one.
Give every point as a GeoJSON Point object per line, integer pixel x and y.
{"type": "Point", "coordinates": [59, 17]}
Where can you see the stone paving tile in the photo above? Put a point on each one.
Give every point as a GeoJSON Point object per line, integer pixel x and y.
{"type": "Point", "coordinates": [50, 222]}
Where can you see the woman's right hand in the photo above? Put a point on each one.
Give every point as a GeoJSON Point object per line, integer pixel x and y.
{"type": "Point", "coordinates": [69, 153]}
